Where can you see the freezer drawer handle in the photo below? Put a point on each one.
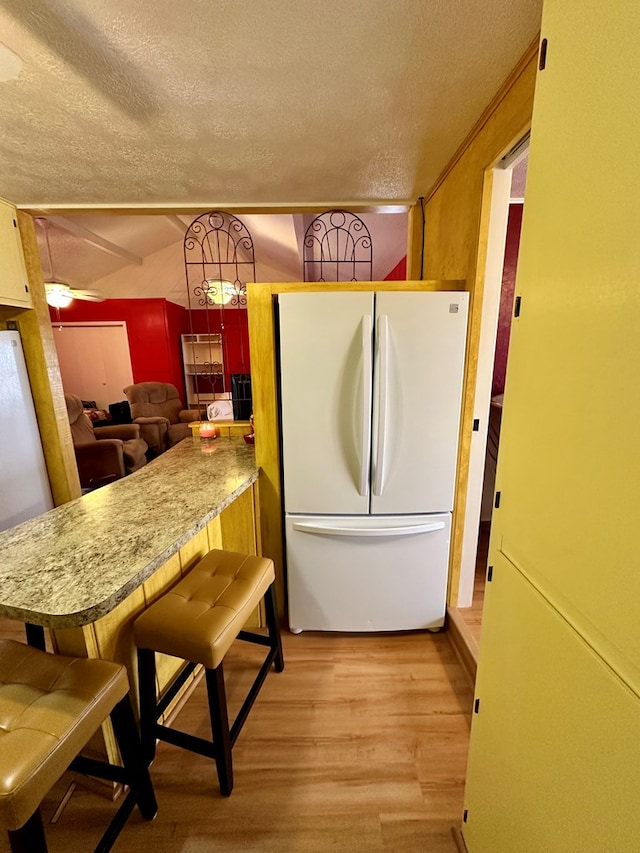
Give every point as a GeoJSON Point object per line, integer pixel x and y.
{"type": "Point", "coordinates": [310, 527]}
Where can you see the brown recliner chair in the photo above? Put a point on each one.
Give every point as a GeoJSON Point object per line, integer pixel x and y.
{"type": "Point", "coordinates": [156, 407]}
{"type": "Point", "coordinates": [106, 453]}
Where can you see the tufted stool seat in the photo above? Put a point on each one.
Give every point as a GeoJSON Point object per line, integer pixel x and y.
{"type": "Point", "coordinates": [50, 706]}
{"type": "Point", "coordinates": [197, 621]}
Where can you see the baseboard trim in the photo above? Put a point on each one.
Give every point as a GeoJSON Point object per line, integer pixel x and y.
{"type": "Point", "coordinates": [457, 837]}
{"type": "Point", "coordinates": [463, 642]}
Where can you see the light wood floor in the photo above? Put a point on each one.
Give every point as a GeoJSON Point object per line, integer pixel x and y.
{"type": "Point", "coordinates": [359, 745]}
{"type": "Point", "coordinates": [472, 615]}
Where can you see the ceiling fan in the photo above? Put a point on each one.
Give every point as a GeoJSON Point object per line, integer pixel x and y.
{"type": "Point", "coordinates": [59, 293]}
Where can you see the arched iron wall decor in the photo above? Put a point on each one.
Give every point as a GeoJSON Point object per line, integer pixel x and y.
{"type": "Point", "coordinates": [218, 251]}
{"type": "Point", "coordinates": [337, 247]}
{"type": "Point", "coordinates": [219, 261]}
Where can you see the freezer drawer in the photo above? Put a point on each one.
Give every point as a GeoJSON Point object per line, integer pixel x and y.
{"type": "Point", "coordinates": [366, 573]}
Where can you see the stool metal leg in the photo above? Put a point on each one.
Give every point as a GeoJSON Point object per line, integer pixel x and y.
{"type": "Point", "coordinates": [273, 625]}
{"type": "Point", "coordinates": [220, 728]}
{"type": "Point", "coordinates": [148, 714]}
{"type": "Point", "coordinates": [30, 837]}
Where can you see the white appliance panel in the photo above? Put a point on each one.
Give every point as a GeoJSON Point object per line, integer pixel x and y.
{"type": "Point", "coordinates": [365, 573]}
{"type": "Point", "coordinates": [24, 484]}
{"type": "Point", "coordinates": [419, 365]}
{"type": "Point", "coordinates": [326, 358]}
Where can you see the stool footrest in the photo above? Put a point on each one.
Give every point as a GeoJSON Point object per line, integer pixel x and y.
{"type": "Point", "coordinates": [186, 740]}
{"type": "Point", "coordinates": [172, 690]}
{"type": "Point", "coordinates": [250, 637]}
{"type": "Point", "coordinates": [241, 717]}
{"type": "Point", "coordinates": [92, 767]}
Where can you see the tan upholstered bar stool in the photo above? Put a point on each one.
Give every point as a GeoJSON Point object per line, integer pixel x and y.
{"type": "Point", "coordinates": [197, 621]}
{"type": "Point", "coordinates": [50, 706]}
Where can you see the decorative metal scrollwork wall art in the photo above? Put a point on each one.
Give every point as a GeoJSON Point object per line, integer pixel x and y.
{"type": "Point", "coordinates": [337, 247]}
{"type": "Point", "coordinates": [219, 261]}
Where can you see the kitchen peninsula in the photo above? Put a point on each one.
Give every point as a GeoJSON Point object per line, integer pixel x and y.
{"type": "Point", "coordinates": [88, 568]}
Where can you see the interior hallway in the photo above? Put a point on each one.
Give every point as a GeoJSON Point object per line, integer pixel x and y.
{"type": "Point", "coordinates": [472, 615]}
{"type": "Point", "coordinates": [359, 745]}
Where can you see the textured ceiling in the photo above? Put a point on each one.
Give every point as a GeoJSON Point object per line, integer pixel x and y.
{"type": "Point", "coordinates": [210, 103]}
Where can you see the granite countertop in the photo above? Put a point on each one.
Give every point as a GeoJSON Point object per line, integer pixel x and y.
{"type": "Point", "coordinates": [75, 563]}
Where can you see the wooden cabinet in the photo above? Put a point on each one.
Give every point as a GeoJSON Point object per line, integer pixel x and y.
{"type": "Point", "coordinates": [203, 361]}
{"type": "Point", "coordinates": [14, 288]}
{"type": "Point", "coordinates": [554, 755]}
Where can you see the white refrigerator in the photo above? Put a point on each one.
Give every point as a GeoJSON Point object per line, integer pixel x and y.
{"type": "Point", "coordinates": [371, 387]}
{"type": "Point", "coordinates": [24, 484]}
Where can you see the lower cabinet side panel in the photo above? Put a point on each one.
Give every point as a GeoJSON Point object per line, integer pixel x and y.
{"type": "Point", "coordinates": [554, 762]}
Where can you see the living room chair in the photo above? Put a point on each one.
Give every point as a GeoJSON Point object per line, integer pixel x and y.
{"type": "Point", "coordinates": [103, 454]}
{"type": "Point", "coordinates": [156, 407]}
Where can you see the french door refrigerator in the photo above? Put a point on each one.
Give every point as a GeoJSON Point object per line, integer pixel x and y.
{"type": "Point", "coordinates": [371, 386]}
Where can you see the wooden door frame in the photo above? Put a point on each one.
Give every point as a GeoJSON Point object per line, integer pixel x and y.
{"type": "Point", "coordinates": [496, 201]}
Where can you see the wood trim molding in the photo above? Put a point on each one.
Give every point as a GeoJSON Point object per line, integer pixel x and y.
{"type": "Point", "coordinates": [504, 90]}
{"type": "Point", "coordinates": [463, 642]}
{"type": "Point", "coordinates": [459, 840]}
{"type": "Point", "coordinates": [415, 240]}
{"type": "Point", "coordinates": [44, 375]}
{"type": "Point", "coordinates": [169, 208]}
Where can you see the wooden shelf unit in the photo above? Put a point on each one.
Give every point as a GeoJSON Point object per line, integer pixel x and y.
{"type": "Point", "coordinates": [203, 360]}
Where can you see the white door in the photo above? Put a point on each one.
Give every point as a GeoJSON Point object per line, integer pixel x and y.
{"type": "Point", "coordinates": [418, 371]}
{"type": "Point", "coordinates": [360, 573]}
{"type": "Point", "coordinates": [325, 367]}
{"type": "Point", "coordinates": [94, 360]}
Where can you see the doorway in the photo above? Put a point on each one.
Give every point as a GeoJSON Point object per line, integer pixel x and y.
{"type": "Point", "coordinates": [505, 184]}
{"type": "Point", "coordinates": [94, 359]}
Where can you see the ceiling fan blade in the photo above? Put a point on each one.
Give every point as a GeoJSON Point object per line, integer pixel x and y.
{"type": "Point", "coordinates": [56, 284]}
{"type": "Point", "coordinates": [59, 287]}
{"type": "Point", "coordinates": [87, 295]}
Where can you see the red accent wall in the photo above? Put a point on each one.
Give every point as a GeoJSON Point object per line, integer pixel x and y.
{"type": "Point", "coordinates": [399, 272]}
{"type": "Point", "coordinates": [154, 327]}
{"type": "Point", "coordinates": [514, 225]}
{"type": "Point", "coordinates": [232, 322]}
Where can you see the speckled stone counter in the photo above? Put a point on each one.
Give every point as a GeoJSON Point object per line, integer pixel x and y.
{"type": "Point", "coordinates": [74, 564]}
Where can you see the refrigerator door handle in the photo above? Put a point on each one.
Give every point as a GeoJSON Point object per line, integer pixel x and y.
{"type": "Point", "coordinates": [383, 399]}
{"type": "Point", "coordinates": [327, 530]}
{"type": "Point", "coordinates": [363, 486]}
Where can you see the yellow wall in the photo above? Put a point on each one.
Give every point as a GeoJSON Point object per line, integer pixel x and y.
{"type": "Point", "coordinates": [456, 227]}
{"type": "Point", "coordinates": [561, 618]}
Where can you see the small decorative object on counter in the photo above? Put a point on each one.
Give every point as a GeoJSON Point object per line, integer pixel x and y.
{"type": "Point", "coordinates": [250, 436]}
{"type": "Point", "coordinates": [208, 432]}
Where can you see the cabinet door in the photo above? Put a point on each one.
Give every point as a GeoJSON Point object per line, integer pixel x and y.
{"type": "Point", "coordinates": [554, 756]}
{"type": "Point", "coordinates": [14, 289]}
